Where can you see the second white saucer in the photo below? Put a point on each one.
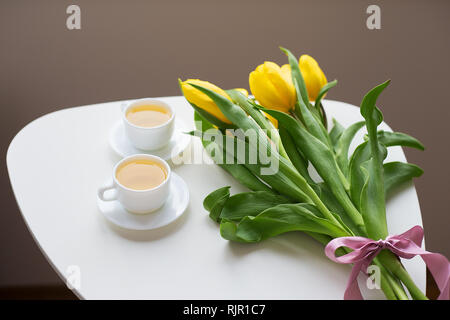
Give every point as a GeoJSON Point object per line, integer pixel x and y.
{"type": "Point", "coordinates": [123, 147]}
{"type": "Point", "coordinates": [174, 207]}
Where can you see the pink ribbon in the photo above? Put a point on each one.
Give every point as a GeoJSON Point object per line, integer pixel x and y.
{"type": "Point", "coordinates": [406, 245]}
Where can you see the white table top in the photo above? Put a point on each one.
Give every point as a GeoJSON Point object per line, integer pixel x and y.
{"type": "Point", "coordinates": [57, 162]}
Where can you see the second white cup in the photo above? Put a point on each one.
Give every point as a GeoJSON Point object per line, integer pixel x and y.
{"type": "Point", "coordinates": [149, 138]}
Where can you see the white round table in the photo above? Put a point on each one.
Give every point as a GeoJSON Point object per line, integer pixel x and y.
{"type": "Point", "coordinates": [57, 162]}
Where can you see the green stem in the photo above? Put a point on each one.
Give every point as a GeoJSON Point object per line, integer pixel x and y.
{"type": "Point", "coordinates": [345, 201]}
{"type": "Point", "coordinates": [295, 157]}
{"type": "Point", "coordinates": [298, 114]}
{"type": "Point", "coordinates": [389, 285]}
{"type": "Point", "coordinates": [323, 114]}
{"type": "Point", "coordinates": [387, 288]}
{"type": "Point", "coordinates": [353, 214]}
{"type": "Point", "coordinates": [306, 188]}
{"type": "Point", "coordinates": [282, 151]}
{"type": "Point", "coordinates": [398, 288]}
{"type": "Point", "coordinates": [342, 177]}
{"type": "Point", "coordinates": [391, 262]}
{"type": "Point", "coordinates": [393, 283]}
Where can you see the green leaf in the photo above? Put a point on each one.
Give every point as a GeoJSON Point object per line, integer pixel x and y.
{"type": "Point", "coordinates": [370, 112]}
{"type": "Point", "coordinates": [331, 202]}
{"type": "Point", "coordinates": [347, 229]}
{"type": "Point", "coordinates": [250, 109]}
{"type": "Point", "coordinates": [285, 218]}
{"type": "Point", "coordinates": [323, 91]}
{"type": "Point", "coordinates": [237, 170]}
{"type": "Point", "coordinates": [280, 180]}
{"type": "Point", "coordinates": [312, 122]}
{"type": "Point", "coordinates": [335, 133]}
{"type": "Point", "coordinates": [297, 76]}
{"type": "Point", "coordinates": [253, 110]}
{"type": "Point", "coordinates": [212, 119]}
{"type": "Point", "coordinates": [399, 139]}
{"type": "Point", "coordinates": [397, 173]}
{"type": "Point", "coordinates": [245, 204]}
{"type": "Point", "coordinates": [294, 154]}
{"type": "Point", "coordinates": [322, 159]}
{"type": "Point", "coordinates": [211, 199]}
{"type": "Point", "coordinates": [233, 112]}
{"type": "Point", "coordinates": [216, 210]}
{"type": "Point", "coordinates": [205, 115]}
{"type": "Point", "coordinates": [357, 178]}
{"type": "Point", "coordinates": [344, 144]}
{"type": "Point", "coordinates": [373, 205]}
{"type": "Point", "coordinates": [317, 152]}
{"type": "Point", "coordinates": [245, 177]}
{"type": "Point", "coordinates": [215, 201]}
{"type": "Point", "coordinates": [228, 231]}
{"type": "Point", "coordinates": [286, 179]}
{"type": "Point", "coordinates": [303, 105]}
{"type": "Point", "coordinates": [238, 116]}
{"type": "Point", "coordinates": [362, 154]}
{"type": "Point", "coordinates": [201, 123]}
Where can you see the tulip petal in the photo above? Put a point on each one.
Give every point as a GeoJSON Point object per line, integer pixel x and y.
{"type": "Point", "coordinates": [273, 73]}
{"type": "Point", "coordinates": [201, 100]}
{"type": "Point", "coordinates": [267, 85]}
{"type": "Point", "coordinates": [314, 77]}
{"type": "Point", "coordinates": [263, 90]}
{"type": "Point", "coordinates": [286, 73]}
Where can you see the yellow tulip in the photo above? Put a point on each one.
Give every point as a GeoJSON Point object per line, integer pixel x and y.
{"type": "Point", "coordinates": [272, 86]}
{"type": "Point", "coordinates": [312, 74]}
{"type": "Point", "coordinates": [201, 100]}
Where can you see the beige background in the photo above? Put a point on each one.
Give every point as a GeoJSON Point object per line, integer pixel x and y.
{"type": "Point", "coordinates": [131, 49]}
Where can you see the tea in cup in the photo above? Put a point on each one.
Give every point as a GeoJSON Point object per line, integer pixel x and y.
{"type": "Point", "coordinates": [149, 123]}
{"type": "Point", "coordinates": [140, 183]}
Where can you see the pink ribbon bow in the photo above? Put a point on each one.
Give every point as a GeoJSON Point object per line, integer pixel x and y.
{"type": "Point", "coordinates": [406, 245]}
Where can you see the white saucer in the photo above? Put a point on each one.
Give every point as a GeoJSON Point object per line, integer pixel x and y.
{"type": "Point", "coordinates": [174, 207]}
{"type": "Point", "coordinates": [123, 147]}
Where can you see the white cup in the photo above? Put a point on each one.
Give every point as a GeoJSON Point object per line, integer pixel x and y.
{"type": "Point", "coordinates": [138, 201]}
{"type": "Point", "coordinates": [149, 138]}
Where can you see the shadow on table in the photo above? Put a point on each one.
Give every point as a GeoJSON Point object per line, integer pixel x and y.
{"type": "Point", "coordinates": [293, 244]}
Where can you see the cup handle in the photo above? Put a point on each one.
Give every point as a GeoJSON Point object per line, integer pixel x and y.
{"type": "Point", "coordinates": [101, 192]}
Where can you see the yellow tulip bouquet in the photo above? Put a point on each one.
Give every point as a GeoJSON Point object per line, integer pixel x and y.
{"type": "Point", "coordinates": [285, 122]}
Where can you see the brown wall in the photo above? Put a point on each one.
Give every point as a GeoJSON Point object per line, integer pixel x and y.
{"type": "Point", "coordinates": [129, 49]}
